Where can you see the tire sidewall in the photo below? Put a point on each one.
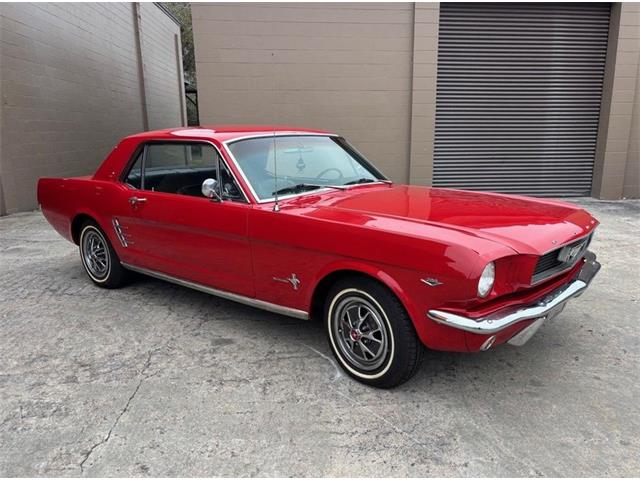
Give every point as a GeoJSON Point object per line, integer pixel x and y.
{"type": "Point", "coordinates": [391, 355]}
{"type": "Point", "coordinates": [86, 229]}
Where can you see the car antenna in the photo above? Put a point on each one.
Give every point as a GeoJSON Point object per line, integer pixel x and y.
{"type": "Point", "coordinates": [276, 206]}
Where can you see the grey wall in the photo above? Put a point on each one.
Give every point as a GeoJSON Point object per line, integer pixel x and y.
{"type": "Point", "coordinates": [75, 78]}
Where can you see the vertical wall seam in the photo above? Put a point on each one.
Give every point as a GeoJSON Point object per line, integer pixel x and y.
{"type": "Point", "coordinates": [411, 95]}
{"type": "Point", "coordinates": [141, 69]}
{"type": "Point", "coordinates": [180, 72]}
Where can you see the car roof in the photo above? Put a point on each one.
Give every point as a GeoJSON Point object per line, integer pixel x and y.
{"type": "Point", "coordinates": [223, 133]}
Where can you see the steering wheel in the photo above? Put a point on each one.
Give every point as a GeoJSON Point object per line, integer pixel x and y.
{"type": "Point", "coordinates": [327, 170]}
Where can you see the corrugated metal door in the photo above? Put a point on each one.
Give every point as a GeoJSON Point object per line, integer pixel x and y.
{"type": "Point", "coordinates": [518, 99]}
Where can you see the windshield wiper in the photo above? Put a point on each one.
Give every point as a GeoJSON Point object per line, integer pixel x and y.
{"type": "Point", "coordinates": [367, 180]}
{"type": "Point", "coordinates": [304, 187]}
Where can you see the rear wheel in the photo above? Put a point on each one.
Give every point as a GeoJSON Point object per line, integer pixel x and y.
{"type": "Point", "coordinates": [370, 333]}
{"type": "Point", "coordinates": [98, 257]}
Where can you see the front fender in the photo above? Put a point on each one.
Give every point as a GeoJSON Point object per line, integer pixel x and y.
{"type": "Point", "coordinates": [414, 295]}
{"type": "Point", "coordinates": [374, 271]}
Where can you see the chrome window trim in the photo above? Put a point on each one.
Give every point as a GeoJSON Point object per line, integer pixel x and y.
{"type": "Point", "coordinates": [256, 198]}
{"type": "Point", "coordinates": [188, 141]}
{"type": "Point", "coordinates": [252, 302]}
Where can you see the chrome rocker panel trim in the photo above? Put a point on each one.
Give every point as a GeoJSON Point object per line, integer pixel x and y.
{"type": "Point", "coordinates": [499, 320]}
{"type": "Point", "coordinates": [252, 302]}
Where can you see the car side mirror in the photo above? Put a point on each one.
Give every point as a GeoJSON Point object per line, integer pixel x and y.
{"type": "Point", "coordinates": [210, 189]}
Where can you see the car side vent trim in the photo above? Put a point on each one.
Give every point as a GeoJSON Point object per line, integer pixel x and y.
{"type": "Point", "coordinates": [252, 302]}
{"type": "Point", "coordinates": [119, 233]}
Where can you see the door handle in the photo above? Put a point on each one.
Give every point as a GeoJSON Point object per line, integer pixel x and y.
{"type": "Point", "coordinates": [136, 200]}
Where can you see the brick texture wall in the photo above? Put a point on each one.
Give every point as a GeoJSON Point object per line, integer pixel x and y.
{"type": "Point", "coordinates": [368, 71]}
{"type": "Point", "coordinates": [423, 101]}
{"type": "Point", "coordinates": [162, 68]}
{"type": "Point", "coordinates": [341, 67]}
{"type": "Point", "coordinates": [631, 187]}
{"type": "Point", "coordinates": [71, 87]}
{"type": "Point", "coordinates": [616, 172]}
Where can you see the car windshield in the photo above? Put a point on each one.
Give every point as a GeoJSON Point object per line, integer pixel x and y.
{"type": "Point", "coordinates": [302, 162]}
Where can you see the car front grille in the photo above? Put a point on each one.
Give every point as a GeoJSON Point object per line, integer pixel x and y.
{"type": "Point", "coordinates": [551, 263]}
{"type": "Point", "coordinates": [547, 262]}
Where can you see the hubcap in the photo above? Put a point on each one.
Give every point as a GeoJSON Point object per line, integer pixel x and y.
{"type": "Point", "coordinates": [360, 332]}
{"type": "Point", "coordinates": [94, 253]}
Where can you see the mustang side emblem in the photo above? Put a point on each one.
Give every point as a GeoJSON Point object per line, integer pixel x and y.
{"type": "Point", "coordinates": [293, 280]}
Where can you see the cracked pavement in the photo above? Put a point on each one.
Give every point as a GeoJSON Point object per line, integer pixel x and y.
{"type": "Point", "coordinates": [158, 380]}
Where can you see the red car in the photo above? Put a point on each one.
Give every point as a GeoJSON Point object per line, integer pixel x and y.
{"type": "Point", "coordinates": [298, 222]}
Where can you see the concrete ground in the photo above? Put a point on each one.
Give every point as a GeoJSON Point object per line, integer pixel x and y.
{"type": "Point", "coordinates": [155, 379]}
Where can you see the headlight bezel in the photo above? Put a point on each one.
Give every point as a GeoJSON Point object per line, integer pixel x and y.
{"type": "Point", "coordinates": [487, 280]}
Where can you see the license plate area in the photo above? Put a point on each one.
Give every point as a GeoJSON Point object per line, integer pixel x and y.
{"type": "Point", "coordinates": [525, 335]}
{"type": "Point", "coordinates": [554, 312]}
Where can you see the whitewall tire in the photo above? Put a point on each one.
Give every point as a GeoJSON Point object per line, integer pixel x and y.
{"type": "Point", "coordinates": [370, 333]}
{"type": "Point", "coordinates": [99, 259]}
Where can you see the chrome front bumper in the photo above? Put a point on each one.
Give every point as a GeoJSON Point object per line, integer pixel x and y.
{"type": "Point", "coordinates": [549, 305]}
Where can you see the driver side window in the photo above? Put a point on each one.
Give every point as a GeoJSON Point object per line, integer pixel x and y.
{"type": "Point", "coordinates": [180, 168]}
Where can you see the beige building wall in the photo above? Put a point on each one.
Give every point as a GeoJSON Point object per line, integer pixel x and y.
{"type": "Point", "coordinates": [631, 20]}
{"type": "Point", "coordinates": [342, 67]}
{"type": "Point", "coordinates": [631, 187]}
{"type": "Point", "coordinates": [369, 72]}
{"type": "Point", "coordinates": [616, 163]}
{"type": "Point", "coordinates": [423, 96]}
{"type": "Point", "coordinates": [72, 86]}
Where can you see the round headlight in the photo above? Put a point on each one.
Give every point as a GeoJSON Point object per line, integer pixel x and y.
{"type": "Point", "coordinates": [485, 284]}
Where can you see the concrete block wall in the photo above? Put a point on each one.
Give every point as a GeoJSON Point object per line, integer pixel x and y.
{"type": "Point", "coordinates": [423, 94]}
{"type": "Point", "coordinates": [631, 23]}
{"type": "Point", "coordinates": [162, 67]}
{"type": "Point", "coordinates": [345, 68]}
{"type": "Point", "coordinates": [616, 167]}
{"type": "Point", "coordinates": [369, 71]}
{"type": "Point", "coordinates": [72, 86]}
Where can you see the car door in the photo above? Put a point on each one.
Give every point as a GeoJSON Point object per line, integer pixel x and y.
{"type": "Point", "coordinates": [181, 233]}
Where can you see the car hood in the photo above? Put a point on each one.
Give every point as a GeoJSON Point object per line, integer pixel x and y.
{"type": "Point", "coordinates": [526, 225]}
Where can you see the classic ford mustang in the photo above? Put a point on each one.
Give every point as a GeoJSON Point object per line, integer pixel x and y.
{"type": "Point", "coordinates": [298, 222]}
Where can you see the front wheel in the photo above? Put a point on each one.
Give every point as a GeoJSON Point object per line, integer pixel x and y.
{"type": "Point", "coordinates": [99, 259]}
{"type": "Point", "coordinates": [370, 333]}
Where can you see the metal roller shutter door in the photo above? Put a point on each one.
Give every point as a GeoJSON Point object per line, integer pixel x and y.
{"type": "Point", "coordinates": [518, 96]}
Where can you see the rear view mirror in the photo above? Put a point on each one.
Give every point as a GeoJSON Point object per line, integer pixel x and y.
{"type": "Point", "coordinates": [210, 189]}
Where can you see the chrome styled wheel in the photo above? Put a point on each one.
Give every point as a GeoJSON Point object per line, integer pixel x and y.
{"type": "Point", "coordinates": [360, 333]}
{"type": "Point", "coordinates": [95, 254]}
{"type": "Point", "coordinates": [99, 259]}
{"type": "Point", "coordinates": [370, 333]}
